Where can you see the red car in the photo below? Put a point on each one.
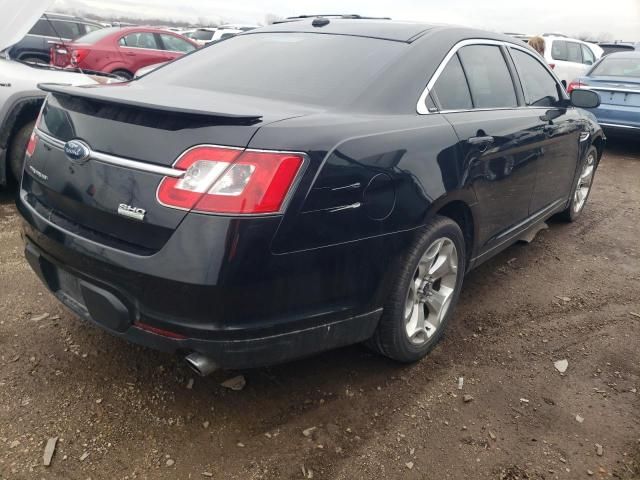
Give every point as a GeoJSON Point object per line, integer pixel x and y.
{"type": "Point", "coordinates": [121, 51]}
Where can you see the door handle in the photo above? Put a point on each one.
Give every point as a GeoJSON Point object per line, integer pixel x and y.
{"type": "Point", "coordinates": [130, 54]}
{"type": "Point", "coordinates": [482, 143]}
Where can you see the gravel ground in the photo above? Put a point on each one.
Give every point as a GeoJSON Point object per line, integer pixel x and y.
{"type": "Point", "coordinates": [124, 412]}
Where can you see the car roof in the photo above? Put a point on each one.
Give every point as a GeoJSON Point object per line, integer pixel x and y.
{"type": "Point", "coordinates": [381, 29]}
{"type": "Point", "coordinates": [62, 16]}
{"type": "Point", "coordinates": [628, 54]}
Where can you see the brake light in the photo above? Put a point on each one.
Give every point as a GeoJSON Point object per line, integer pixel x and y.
{"type": "Point", "coordinates": [33, 141]}
{"type": "Point", "coordinates": [78, 55]}
{"type": "Point", "coordinates": [574, 85]}
{"type": "Point", "coordinates": [226, 180]}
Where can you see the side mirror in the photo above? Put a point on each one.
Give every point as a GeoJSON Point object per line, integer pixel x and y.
{"type": "Point", "coordinates": [584, 98]}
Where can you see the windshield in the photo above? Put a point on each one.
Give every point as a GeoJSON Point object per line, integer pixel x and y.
{"type": "Point", "coordinates": [202, 35]}
{"type": "Point", "coordinates": [618, 67]}
{"type": "Point", "coordinates": [96, 35]}
{"type": "Point", "coordinates": [300, 67]}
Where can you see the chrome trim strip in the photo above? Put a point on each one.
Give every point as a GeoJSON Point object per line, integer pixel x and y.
{"type": "Point", "coordinates": [616, 125]}
{"type": "Point", "coordinates": [421, 106]}
{"type": "Point", "coordinates": [604, 89]}
{"type": "Point", "coordinates": [114, 160]}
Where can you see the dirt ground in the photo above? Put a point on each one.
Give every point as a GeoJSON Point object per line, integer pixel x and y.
{"type": "Point", "coordinates": [124, 412]}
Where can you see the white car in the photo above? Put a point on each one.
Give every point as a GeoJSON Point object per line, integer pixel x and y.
{"type": "Point", "coordinates": [568, 57]}
{"type": "Point", "coordinates": [202, 36]}
{"type": "Point", "coordinates": [20, 98]}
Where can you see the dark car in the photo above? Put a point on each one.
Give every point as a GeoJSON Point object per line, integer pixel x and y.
{"type": "Point", "coordinates": [300, 187]}
{"type": "Point", "coordinates": [122, 51]}
{"type": "Point", "coordinates": [616, 78]}
{"type": "Point", "coordinates": [49, 30]}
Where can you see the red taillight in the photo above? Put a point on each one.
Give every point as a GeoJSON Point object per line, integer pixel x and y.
{"type": "Point", "coordinates": [33, 141]}
{"type": "Point", "coordinates": [575, 84]}
{"type": "Point", "coordinates": [159, 331]}
{"type": "Point", "coordinates": [552, 66]}
{"type": "Point", "coordinates": [78, 55]}
{"type": "Point", "coordinates": [225, 180]}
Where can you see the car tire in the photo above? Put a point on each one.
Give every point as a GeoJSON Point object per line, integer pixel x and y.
{"type": "Point", "coordinates": [123, 74]}
{"type": "Point", "coordinates": [582, 186]}
{"type": "Point", "coordinates": [18, 149]}
{"type": "Point", "coordinates": [36, 60]}
{"type": "Point", "coordinates": [439, 249]}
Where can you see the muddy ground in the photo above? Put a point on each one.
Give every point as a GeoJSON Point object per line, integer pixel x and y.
{"type": "Point", "coordinates": [124, 412]}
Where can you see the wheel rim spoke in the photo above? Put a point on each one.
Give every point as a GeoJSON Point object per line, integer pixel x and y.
{"type": "Point", "coordinates": [431, 291]}
{"type": "Point", "coordinates": [584, 184]}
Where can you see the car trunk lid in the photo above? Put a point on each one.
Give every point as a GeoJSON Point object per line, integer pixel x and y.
{"type": "Point", "coordinates": [620, 91]}
{"type": "Point", "coordinates": [111, 196]}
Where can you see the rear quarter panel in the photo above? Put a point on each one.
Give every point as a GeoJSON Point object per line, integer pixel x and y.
{"type": "Point", "coordinates": [367, 176]}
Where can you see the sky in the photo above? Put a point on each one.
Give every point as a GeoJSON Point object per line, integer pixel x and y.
{"type": "Point", "coordinates": [610, 20]}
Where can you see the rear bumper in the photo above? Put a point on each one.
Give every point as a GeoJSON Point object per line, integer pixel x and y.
{"type": "Point", "coordinates": [216, 288]}
{"type": "Point", "coordinates": [99, 305]}
{"type": "Point", "coordinates": [618, 118]}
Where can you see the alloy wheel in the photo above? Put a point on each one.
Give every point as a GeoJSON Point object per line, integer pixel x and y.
{"type": "Point", "coordinates": [584, 183]}
{"type": "Point", "coordinates": [431, 291]}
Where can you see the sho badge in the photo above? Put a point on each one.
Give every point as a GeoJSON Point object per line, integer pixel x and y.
{"type": "Point", "coordinates": [131, 212]}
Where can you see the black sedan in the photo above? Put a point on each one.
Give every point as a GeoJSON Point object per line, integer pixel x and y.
{"type": "Point", "coordinates": [301, 187]}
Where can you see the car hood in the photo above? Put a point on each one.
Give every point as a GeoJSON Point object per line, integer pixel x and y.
{"type": "Point", "coordinates": [17, 18]}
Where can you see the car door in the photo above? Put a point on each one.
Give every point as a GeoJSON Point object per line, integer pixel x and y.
{"type": "Point", "coordinates": [545, 98]}
{"type": "Point", "coordinates": [139, 49]}
{"type": "Point", "coordinates": [499, 141]}
{"type": "Point", "coordinates": [574, 57]}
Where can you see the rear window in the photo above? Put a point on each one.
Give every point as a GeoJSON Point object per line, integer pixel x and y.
{"type": "Point", "coordinates": [97, 35]}
{"type": "Point", "coordinates": [618, 67]}
{"type": "Point", "coordinates": [300, 67]}
{"type": "Point", "coordinates": [204, 35]}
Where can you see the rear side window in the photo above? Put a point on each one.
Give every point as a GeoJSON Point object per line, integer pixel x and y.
{"type": "Point", "coordinates": [140, 40]}
{"type": "Point", "coordinates": [574, 52]}
{"type": "Point", "coordinates": [588, 57]}
{"type": "Point", "coordinates": [488, 76]}
{"type": "Point", "coordinates": [559, 50]}
{"type": "Point", "coordinates": [42, 27]}
{"type": "Point", "coordinates": [97, 35]}
{"type": "Point", "coordinates": [309, 68]}
{"type": "Point", "coordinates": [175, 44]}
{"type": "Point", "coordinates": [202, 35]}
{"type": "Point", "coordinates": [451, 89]}
{"type": "Point", "coordinates": [540, 89]}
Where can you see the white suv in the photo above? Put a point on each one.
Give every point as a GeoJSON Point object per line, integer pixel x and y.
{"type": "Point", "coordinates": [570, 58]}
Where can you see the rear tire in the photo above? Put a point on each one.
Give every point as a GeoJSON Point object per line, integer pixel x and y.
{"type": "Point", "coordinates": [123, 74]}
{"type": "Point", "coordinates": [582, 187]}
{"type": "Point", "coordinates": [36, 60]}
{"type": "Point", "coordinates": [18, 149]}
{"type": "Point", "coordinates": [430, 275]}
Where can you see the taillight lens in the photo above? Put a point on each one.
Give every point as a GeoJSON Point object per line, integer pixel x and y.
{"type": "Point", "coordinates": [33, 141]}
{"type": "Point", "coordinates": [575, 84]}
{"type": "Point", "coordinates": [77, 56]}
{"type": "Point", "coordinates": [552, 66]}
{"type": "Point", "coordinates": [223, 180]}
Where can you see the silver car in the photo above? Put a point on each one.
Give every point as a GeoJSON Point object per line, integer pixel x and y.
{"type": "Point", "coordinates": [20, 98]}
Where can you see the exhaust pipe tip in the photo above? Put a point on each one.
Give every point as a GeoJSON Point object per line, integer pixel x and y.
{"type": "Point", "coordinates": [200, 364]}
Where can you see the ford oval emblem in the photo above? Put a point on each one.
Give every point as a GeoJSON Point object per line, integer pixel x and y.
{"type": "Point", "coordinates": [77, 151]}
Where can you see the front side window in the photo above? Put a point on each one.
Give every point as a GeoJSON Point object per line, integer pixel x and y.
{"type": "Point", "coordinates": [451, 89]}
{"type": "Point", "coordinates": [175, 44]}
{"type": "Point", "coordinates": [540, 89]}
{"type": "Point", "coordinates": [559, 50]}
{"type": "Point", "coordinates": [588, 57]}
{"type": "Point", "coordinates": [488, 76]}
{"type": "Point", "coordinates": [140, 40]}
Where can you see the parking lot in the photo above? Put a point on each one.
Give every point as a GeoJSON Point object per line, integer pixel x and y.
{"type": "Point", "coordinates": [126, 412]}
